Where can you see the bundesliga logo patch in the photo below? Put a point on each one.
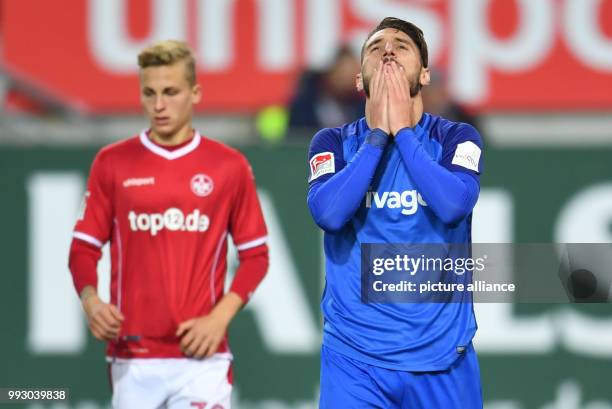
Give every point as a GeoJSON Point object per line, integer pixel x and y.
{"type": "Point", "coordinates": [321, 164]}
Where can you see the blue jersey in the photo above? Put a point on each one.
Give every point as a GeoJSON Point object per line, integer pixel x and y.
{"type": "Point", "coordinates": [421, 188]}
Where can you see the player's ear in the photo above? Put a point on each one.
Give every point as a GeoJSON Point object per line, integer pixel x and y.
{"type": "Point", "coordinates": [359, 82]}
{"type": "Point", "coordinates": [196, 92]}
{"type": "Point", "coordinates": [425, 77]}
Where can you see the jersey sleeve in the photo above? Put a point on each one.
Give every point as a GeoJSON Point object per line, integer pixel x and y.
{"type": "Point", "coordinates": [462, 151]}
{"type": "Point", "coordinates": [325, 156]}
{"type": "Point", "coordinates": [337, 187]}
{"type": "Point", "coordinates": [450, 186]}
{"type": "Point", "coordinates": [94, 224]}
{"type": "Point", "coordinates": [247, 225]}
{"type": "Point", "coordinates": [248, 230]}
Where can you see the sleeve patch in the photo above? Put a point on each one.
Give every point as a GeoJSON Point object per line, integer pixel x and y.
{"type": "Point", "coordinates": [321, 164]}
{"type": "Point", "coordinates": [467, 155]}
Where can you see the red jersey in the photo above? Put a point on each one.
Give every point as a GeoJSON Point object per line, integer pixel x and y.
{"type": "Point", "coordinates": [167, 214]}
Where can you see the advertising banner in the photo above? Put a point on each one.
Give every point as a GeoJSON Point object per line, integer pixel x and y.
{"type": "Point", "coordinates": [541, 353]}
{"type": "Point", "coordinates": [499, 55]}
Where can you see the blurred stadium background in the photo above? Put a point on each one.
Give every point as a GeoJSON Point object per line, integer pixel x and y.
{"type": "Point", "coordinates": [536, 73]}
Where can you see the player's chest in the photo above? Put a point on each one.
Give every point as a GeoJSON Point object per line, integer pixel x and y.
{"type": "Point", "coordinates": [393, 194]}
{"type": "Point", "coordinates": [163, 185]}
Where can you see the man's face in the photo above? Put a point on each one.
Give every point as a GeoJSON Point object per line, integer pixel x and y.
{"type": "Point", "coordinates": [167, 97]}
{"type": "Point", "coordinates": [390, 45]}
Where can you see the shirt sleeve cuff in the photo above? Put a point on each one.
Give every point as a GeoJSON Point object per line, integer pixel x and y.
{"type": "Point", "coordinates": [407, 132]}
{"type": "Point", "coordinates": [377, 137]}
{"type": "Point", "coordinates": [408, 139]}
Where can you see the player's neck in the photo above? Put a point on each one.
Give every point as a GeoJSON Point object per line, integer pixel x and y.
{"type": "Point", "coordinates": [181, 136]}
{"type": "Point", "coordinates": [417, 108]}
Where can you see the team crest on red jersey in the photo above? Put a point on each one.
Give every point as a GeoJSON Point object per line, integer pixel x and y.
{"type": "Point", "coordinates": [202, 185]}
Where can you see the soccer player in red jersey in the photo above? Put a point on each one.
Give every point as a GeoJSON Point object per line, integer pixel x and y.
{"type": "Point", "coordinates": [166, 200]}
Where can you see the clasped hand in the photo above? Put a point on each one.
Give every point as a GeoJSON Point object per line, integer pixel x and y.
{"type": "Point", "coordinates": [392, 107]}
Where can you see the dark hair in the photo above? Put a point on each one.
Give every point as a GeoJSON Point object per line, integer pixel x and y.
{"type": "Point", "coordinates": [412, 31]}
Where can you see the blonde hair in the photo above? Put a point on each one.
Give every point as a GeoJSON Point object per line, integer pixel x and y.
{"type": "Point", "coordinates": [168, 52]}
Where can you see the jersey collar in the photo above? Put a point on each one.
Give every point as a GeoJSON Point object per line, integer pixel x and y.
{"type": "Point", "coordinates": [170, 155]}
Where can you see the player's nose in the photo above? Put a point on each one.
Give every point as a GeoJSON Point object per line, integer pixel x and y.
{"type": "Point", "coordinates": [388, 47]}
{"type": "Point", "coordinates": [159, 103]}
{"type": "Point", "coordinates": [388, 51]}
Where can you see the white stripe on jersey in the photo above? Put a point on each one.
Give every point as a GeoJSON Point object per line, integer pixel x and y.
{"type": "Point", "coordinates": [120, 265]}
{"type": "Point", "coordinates": [252, 243]}
{"type": "Point", "coordinates": [86, 237]}
{"type": "Point", "coordinates": [214, 267]}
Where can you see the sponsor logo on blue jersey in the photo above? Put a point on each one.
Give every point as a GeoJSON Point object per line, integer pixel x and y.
{"type": "Point", "coordinates": [408, 201]}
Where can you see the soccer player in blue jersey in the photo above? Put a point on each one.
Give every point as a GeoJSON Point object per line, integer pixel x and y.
{"type": "Point", "coordinates": [423, 173]}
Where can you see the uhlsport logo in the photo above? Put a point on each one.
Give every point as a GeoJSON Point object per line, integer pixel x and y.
{"type": "Point", "coordinates": [202, 185]}
{"type": "Point", "coordinates": [172, 219]}
{"type": "Point", "coordinates": [408, 201]}
{"type": "Point", "coordinates": [136, 182]}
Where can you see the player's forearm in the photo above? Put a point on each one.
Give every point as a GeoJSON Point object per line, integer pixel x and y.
{"type": "Point", "coordinates": [251, 271]}
{"type": "Point", "coordinates": [451, 196]}
{"type": "Point", "coordinates": [89, 298]}
{"type": "Point", "coordinates": [88, 292]}
{"type": "Point", "coordinates": [333, 202]}
{"type": "Point", "coordinates": [227, 308]}
{"type": "Point", "coordinates": [83, 263]}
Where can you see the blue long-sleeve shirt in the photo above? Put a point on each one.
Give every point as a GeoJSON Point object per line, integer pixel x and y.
{"type": "Point", "coordinates": [418, 187]}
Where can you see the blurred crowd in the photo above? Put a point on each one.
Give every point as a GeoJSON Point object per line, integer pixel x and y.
{"type": "Point", "coordinates": [328, 97]}
{"type": "Point", "coordinates": [322, 98]}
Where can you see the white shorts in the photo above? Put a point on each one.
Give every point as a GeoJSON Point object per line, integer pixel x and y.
{"type": "Point", "coordinates": [172, 383]}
